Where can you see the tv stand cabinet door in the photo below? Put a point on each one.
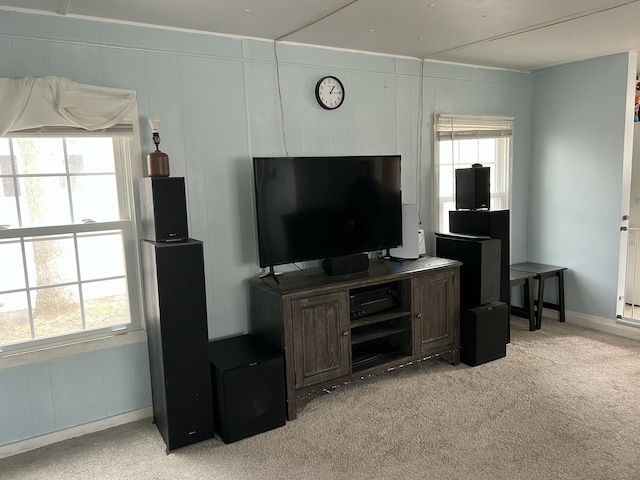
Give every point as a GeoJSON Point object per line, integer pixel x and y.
{"type": "Point", "coordinates": [436, 312]}
{"type": "Point", "coordinates": [321, 343]}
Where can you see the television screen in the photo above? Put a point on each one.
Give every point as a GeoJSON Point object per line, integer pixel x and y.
{"type": "Point", "coordinates": [317, 207]}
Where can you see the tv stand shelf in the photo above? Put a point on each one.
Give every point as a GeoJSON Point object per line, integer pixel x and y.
{"type": "Point", "coordinates": [380, 317]}
{"type": "Point", "coordinates": [307, 315]}
{"type": "Point", "coordinates": [372, 332]}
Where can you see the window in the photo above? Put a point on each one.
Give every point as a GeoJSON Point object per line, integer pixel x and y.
{"type": "Point", "coordinates": [67, 240]}
{"type": "Point", "coordinates": [461, 141]}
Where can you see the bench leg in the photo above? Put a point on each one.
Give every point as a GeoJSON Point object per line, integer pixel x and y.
{"type": "Point", "coordinates": [528, 303]}
{"type": "Point", "coordinates": [561, 294]}
{"type": "Point", "coordinates": [540, 305]}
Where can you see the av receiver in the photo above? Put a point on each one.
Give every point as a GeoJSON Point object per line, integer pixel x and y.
{"type": "Point", "coordinates": [369, 300]}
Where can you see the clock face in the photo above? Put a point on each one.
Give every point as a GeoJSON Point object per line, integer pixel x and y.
{"type": "Point", "coordinates": [329, 93]}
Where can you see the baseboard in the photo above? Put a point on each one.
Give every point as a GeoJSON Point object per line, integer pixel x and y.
{"type": "Point", "coordinates": [597, 323]}
{"type": "Point", "coordinates": [54, 437]}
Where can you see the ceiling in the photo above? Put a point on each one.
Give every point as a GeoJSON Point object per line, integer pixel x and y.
{"type": "Point", "coordinates": [516, 34]}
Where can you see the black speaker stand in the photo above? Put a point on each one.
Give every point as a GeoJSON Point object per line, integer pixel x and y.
{"type": "Point", "coordinates": [391, 258]}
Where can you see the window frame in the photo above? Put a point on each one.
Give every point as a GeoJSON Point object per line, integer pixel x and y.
{"type": "Point", "coordinates": [126, 149]}
{"type": "Point", "coordinates": [452, 127]}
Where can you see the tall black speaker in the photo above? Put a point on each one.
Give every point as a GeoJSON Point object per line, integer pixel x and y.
{"type": "Point", "coordinates": [483, 333]}
{"type": "Point", "coordinates": [176, 315]}
{"type": "Point", "coordinates": [163, 209]}
{"type": "Point", "coordinates": [480, 271]}
{"type": "Point", "coordinates": [248, 380]}
{"type": "Point", "coordinates": [493, 224]}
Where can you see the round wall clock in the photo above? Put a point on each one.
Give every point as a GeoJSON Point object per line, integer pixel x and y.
{"type": "Point", "coordinates": [329, 93]}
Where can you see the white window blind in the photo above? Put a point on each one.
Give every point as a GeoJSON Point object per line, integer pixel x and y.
{"type": "Point", "coordinates": [34, 102]}
{"type": "Point", "coordinates": [450, 127]}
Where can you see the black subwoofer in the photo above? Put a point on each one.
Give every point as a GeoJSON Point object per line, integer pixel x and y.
{"type": "Point", "coordinates": [483, 333]}
{"type": "Point", "coordinates": [248, 383]}
{"type": "Point", "coordinates": [163, 209]}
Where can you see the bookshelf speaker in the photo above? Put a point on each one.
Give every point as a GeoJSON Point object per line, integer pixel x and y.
{"type": "Point", "coordinates": [163, 209]}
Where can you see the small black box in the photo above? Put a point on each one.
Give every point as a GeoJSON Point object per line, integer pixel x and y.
{"type": "Point", "coordinates": [473, 190]}
{"type": "Point", "coordinates": [248, 383]}
{"type": "Point", "coordinates": [163, 209]}
{"type": "Point", "coordinates": [483, 333]}
{"type": "Point", "coordinates": [357, 262]}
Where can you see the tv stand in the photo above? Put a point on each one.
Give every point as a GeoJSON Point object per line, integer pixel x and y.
{"type": "Point", "coordinates": [327, 340]}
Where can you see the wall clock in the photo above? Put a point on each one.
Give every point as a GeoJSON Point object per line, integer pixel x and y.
{"type": "Point", "coordinates": [329, 92]}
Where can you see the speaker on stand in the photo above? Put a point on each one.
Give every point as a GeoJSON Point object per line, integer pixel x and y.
{"type": "Point", "coordinates": [163, 209]}
{"type": "Point", "coordinates": [176, 316]}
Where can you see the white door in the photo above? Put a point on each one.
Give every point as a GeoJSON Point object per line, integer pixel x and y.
{"type": "Point", "coordinates": [629, 296]}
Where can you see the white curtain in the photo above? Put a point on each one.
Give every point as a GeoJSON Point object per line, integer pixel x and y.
{"type": "Point", "coordinates": [34, 102]}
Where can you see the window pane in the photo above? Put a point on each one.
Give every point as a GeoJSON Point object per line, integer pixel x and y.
{"type": "Point", "coordinates": [447, 206]}
{"type": "Point", "coordinates": [446, 152]}
{"type": "Point", "coordinates": [14, 318]}
{"type": "Point", "coordinates": [56, 311]}
{"type": "Point", "coordinates": [487, 151]}
{"type": "Point", "coordinates": [8, 207]}
{"type": "Point", "coordinates": [51, 260]}
{"type": "Point", "coordinates": [6, 169]}
{"type": "Point", "coordinates": [446, 180]}
{"type": "Point", "coordinates": [101, 256]}
{"type": "Point", "coordinates": [90, 155]}
{"type": "Point", "coordinates": [106, 303]}
{"type": "Point", "coordinates": [95, 198]}
{"type": "Point", "coordinates": [44, 201]}
{"type": "Point", "coordinates": [39, 155]}
{"type": "Point", "coordinates": [11, 265]}
{"type": "Point", "coordinates": [467, 153]}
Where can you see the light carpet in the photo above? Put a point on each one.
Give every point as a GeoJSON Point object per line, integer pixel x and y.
{"type": "Point", "coordinates": [563, 404]}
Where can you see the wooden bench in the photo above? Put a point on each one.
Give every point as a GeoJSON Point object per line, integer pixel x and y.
{"type": "Point", "coordinates": [541, 273]}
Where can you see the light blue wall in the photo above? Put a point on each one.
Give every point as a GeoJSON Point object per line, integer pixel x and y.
{"type": "Point", "coordinates": [218, 102]}
{"type": "Point", "coordinates": [578, 124]}
{"type": "Point", "coordinates": [48, 396]}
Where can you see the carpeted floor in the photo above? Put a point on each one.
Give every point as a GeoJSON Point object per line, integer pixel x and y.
{"type": "Point", "coordinates": [563, 404]}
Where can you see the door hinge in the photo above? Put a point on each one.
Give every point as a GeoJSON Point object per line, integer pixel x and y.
{"type": "Point", "coordinates": [625, 217]}
{"type": "Point", "coordinates": [623, 229]}
{"type": "Point", "coordinates": [619, 317]}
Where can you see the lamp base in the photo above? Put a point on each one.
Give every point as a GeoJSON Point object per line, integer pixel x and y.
{"type": "Point", "coordinates": [158, 164]}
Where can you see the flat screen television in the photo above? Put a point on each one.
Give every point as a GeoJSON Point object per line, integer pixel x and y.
{"type": "Point", "coordinates": [310, 208]}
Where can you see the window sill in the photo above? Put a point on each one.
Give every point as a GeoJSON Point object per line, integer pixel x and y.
{"type": "Point", "coordinates": [46, 354]}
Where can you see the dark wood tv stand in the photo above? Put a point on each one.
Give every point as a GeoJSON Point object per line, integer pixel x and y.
{"type": "Point", "coordinates": [308, 316]}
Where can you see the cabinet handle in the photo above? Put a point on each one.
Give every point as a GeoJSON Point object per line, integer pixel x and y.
{"type": "Point", "coordinates": [344, 334]}
{"type": "Point", "coordinates": [419, 315]}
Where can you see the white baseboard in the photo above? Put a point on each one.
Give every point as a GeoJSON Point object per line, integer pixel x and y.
{"type": "Point", "coordinates": [597, 323]}
{"type": "Point", "coordinates": [54, 437]}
